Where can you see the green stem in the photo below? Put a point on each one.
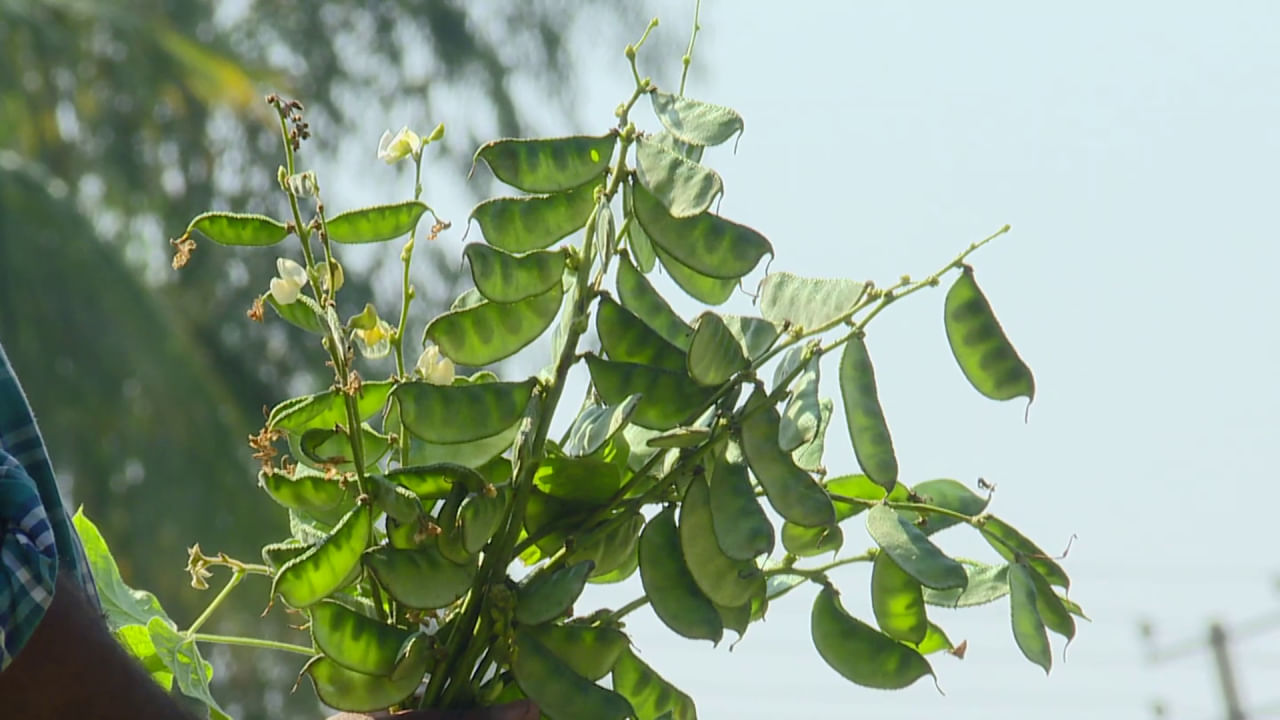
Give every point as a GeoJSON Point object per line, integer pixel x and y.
{"type": "Point", "coordinates": [253, 643]}
{"type": "Point", "coordinates": [236, 577]}
{"type": "Point", "coordinates": [626, 609]}
{"type": "Point", "coordinates": [688, 54]}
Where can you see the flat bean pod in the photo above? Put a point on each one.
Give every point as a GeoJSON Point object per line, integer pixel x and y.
{"type": "Point", "coordinates": [451, 414]}
{"type": "Point", "coordinates": [672, 591]}
{"type": "Point", "coordinates": [867, 427]}
{"type": "Point", "coordinates": [952, 495]}
{"type": "Point", "coordinates": [624, 337]}
{"type": "Point", "coordinates": [703, 288]}
{"type": "Point", "coordinates": [435, 481]}
{"type": "Point", "coordinates": [550, 595]}
{"type": "Point", "coordinates": [804, 541]}
{"type": "Point", "coordinates": [695, 122]}
{"type": "Point", "coordinates": [324, 568]}
{"type": "Point", "coordinates": [682, 187]}
{"type": "Point", "coordinates": [715, 355]}
{"type": "Point", "coordinates": [859, 652]}
{"type": "Point", "coordinates": [227, 228]}
{"type": "Point", "coordinates": [667, 398]}
{"type": "Point", "coordinates": [1010, 543]}
{"type": "Point", "coordinates": [312, 493]}
{"type": "Point", "coordinates": [638, 296]}
{"type": "Point", "coordinates": [481, 516]}
{"type": "Point", "coordinates": [344, 689]}
{"type": "Point", "coordinates": [986, 583]}
{"type": "Point", "coordinates": [897, 601]}
{"type": "Point", "coordinates": [376, 223]}
{"type": "Point", "coordinates": [422, 579]}
{"type": "Point", "coordinates": [639, 243]}
{"type": "Point", "coordinates": [1028, 626]}
{"type": "Point", "coordinates": [912, 551]}
{"type": "Point", "coordinates": [724, 580]}
{"type": "Point", "coordinates": [521, 224]}
{"type": "Point", "coordinates": [589, 650]}
{"type": "Point", "coordinates": [705, 243]}
{"type": "Point", "coordinates": [488, 332]}
{"type": "Point", "coordinates": [791, 491]}
{"type": "Point", "coordinates": [650, 695]}
{"type": "Point", "coordinates": [329, 408]}
{"type": "Point", "coordinates": [502, 277]}
{"type": "Point", "coordinates": [742, 529]}
{"type": "Point", "coordinates": [612, 548]}
{"type": "Point", "coordinates": [548, 165]}
{"type": "Point", "coordinates": [356, 641]}
{"type": "Point", "coordinates": [561, 693]}
{"type": "Point", "coordinates": [979, 344]}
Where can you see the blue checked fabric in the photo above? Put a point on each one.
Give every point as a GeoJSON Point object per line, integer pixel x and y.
{"type": "Point", "coordinates": [36, 535]}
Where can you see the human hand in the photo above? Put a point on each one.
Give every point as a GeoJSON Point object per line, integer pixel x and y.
{"type": "Point", "coordinates": [518, 710]}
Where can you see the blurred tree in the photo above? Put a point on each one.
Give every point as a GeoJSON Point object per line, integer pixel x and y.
{"type": "Point", "coordinates": [119, 121]}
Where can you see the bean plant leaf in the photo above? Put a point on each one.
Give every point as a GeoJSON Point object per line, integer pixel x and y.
{"type": "Point", "coordinates": [682, 186]}
{"type": "Point", "coordinates": [980, 345]}
{"type": "Point", "coordinates": [461, 413]}
{"type": "Point", "coordinates": [488, 332]}
{"type": "Point", "coordinates": [377, 223]}
{"type": "Point", "coordinates": [639, 297]}
{"type": "Point", "coordinates": [227, 228]}
{"type": "Point", "coordinates": [913, 552]}
{"type": "Point", "coordinates": [547, 165]}
{"type": "Point", "coordinates": [522, 224]}
{"type": "Point", "coordinates": [505, 278]}
{"type": "Point", "coordinates": [693, 121]}
{"type": "Point", "coordinates": [191, 671]}
{"type": "Point", "coordinates": [123, 605]}
{"type": "Point", "coordinates": [705, 243]}
{"type": "Point", "coordinates": [807, 303]}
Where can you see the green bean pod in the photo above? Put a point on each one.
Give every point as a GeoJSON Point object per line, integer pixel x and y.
{"type": "Point", "coordinates": [354, 640]}
{"type": "Point", "coordinates": [550, 595]}
{"type": "Point", "coordinates": [859, 652]}
{"type": "Point", "coordinates": [561, 693]}
{"type": "Point", "coordinates": [313, 575]}
{"type": "Point", "coordinates": [868, 430]}
{"type": "Point", "coordinates": [672, 591]}
{"type": "Point", "coordinates": [791, 491]}
{"type": "Point", "coordinates": [650, 695]}
{"type": "Point", "coordinates": [624, 337]}
{"type": "Point", "coordinates": [742, 529]}
{"type": "Point", "coordinates": [722, 579]}
{"type": "Point", "coordinates": [589, 650]}
{"type": "Point", "coordinates": [897, 601]}
{"type": "Point", "coordinates": [422, 579]}
{"type": "Point", "coordinates": [345, 689]}
{"type": "Point", "coordinates": [982, 350]}
{"type": "Point", "coordinates": [610, 549]}
{"type": "Point", "coordinates": [1028, 626]}
{"type": "Point", "coordinates": [544, 165]}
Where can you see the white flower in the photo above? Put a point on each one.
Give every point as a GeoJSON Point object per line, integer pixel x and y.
{"type": "Point", "coordinates": [374, 342]}
{"type": "Point", "coordinates": [434, 367]}
{"type": "Point", "coordinates": [292, 277]}
{"type": "Point", "coordinates": [393, 148]}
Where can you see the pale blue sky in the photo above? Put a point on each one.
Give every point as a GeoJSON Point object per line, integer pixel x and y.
{"type": "Point", "coordinates": [1133, 147]}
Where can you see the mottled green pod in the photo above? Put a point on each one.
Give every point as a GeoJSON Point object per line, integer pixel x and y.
{"type": "Point", "coordinates": [313, 575]}
{"type": "Point", "coordinates": [980, 346]}
{"type": "Point", "coordinates": [344, 689]}
{"type": "Point", "coordinates": [705, 243]}
{"type": "Point", "coordinates": [742, 529]}
{"type": "Point", "coordinates": [550, 595]}
{"type": "Point", "coordinates": [703, 288]}
{"type": "Point", "coordinates": [714, 353]}
{"type": "Point", "coordinates": [433, 482]}
{"type": "Point", "coordinates": [461, 413]}
{"type": "Point", "coordinates": [638, 296]}
{"type": "Point", "coordinates": [488, 332]}
{"type": "Point", "coordinates": [624, 337]}
{"type": "Point", "coordinates": [913, 552]}
{"type": "Point", "coordinates": [951, 495]}
{"type": "Point", "coordinates": [667, 398]}
{"type": "Point", "coordinates": [612, 548]}
{"type": "Point", "coordinates": [299, 313]}
{"type": "Point", "coordinates": [422, 579]}
{"type": "Point", "coordinates": [897, 601]}
{"type": "Point", "coordinates": [481, 515]}
{"type": "Point", "coordinates": [1028, 627]}
{"type": "Point", "coordinates": [651, 696]}
{"type": "Point", "coordinates": [791, 491]}
{"type": "Point", "coordinates": [867, 428]}
{"type": "Point", "coordinates": [327, 500]}
{"type": "Point", "coordinates": [354, 640]}
{"type": "Point", "coordinates": [1013, 545]}
{"type": "Point", "coordinates": [672, 591]}
{"type": "Point", "coordinates": [561, 693]}
{"type": "Point", "coordinates": [597, 425]}
{"type": "Point", "coordinates": [375, 224]}
{"type": "Point", "coordinates": [639, 243]}
{"type": "Point", "coordinates": [683, 187]}
{"type": "Point", "coordinates": [806, 304]}
{"type": "Point", "coordinates": [693, 121]}
{"type": "Point", "coordinates": [859, 652]}
{"type": "Point", "coordinates": [722, 579]}
{"type": "Point", "coordinates": [502, 277]}
{"type": "Point", "coordinates": [987, 583]}
{"type": "Point", "coordinates": [521, 224]}
{"type": "Point", "coordinates": [227, 228]}
{"type": "Point", "coordinates": [546, 165]}
{"type": "Point", "coordinates": [804, 541]}
{"type": "Point", "coordinates": [328, 409]}
{"type": "Point", "coordinates": [590, 651]}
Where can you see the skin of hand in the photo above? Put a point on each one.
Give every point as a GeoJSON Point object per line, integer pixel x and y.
{"type": "Point", "coordinates": [519, 710]}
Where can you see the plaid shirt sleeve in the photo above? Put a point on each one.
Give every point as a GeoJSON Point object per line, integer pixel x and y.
{"type": "Point", "coordinates": [36, 535]}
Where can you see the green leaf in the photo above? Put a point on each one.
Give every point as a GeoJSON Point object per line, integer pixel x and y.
{"type": "Point", "coordinates": [704, 289]}
{"type": "Point", "coordinates": [724, 580]}
{"type": "Point", "coordinates": [1013, 545]}
{"type": "Point", "coordinates": [1028, 627]}
{"type": "Point", "coordinates": [462, 413]}
{"type": "Point", "coordinates": [912, 550]}
{"type": "Point", "coordinates": [227, 228]}
{"type": "Point", "coordinates": [791, 491]}
{"type": "Point", "coordinates": [596, 424]}
{"type": "Point", "coordinates": [624, 337]}
{"type": "Point", "coordinates": [488, 332]}
{"type": "Point", "coordinates": [650, 695]}
{"type": "Point", "coordinates": [714, 353]}
{"type": "Point", "coordinates": [682, 186]}
{"type": "Point", "coordinates": [859, 652]}
{"type": "Point", "coordinates": [987, 583]}
{"type": "Point", "coordinates": [521, 224]}
{"type": "Point", "coordinates": [505, 278]}
{"type": "Point", "coordinates": [980, 346]}
{"type": "Point", "coordinates": [952, 495]}
{"type": "Point", "coordinates": [136, 640]}
{"type": "Point", "coordinates": [123, 605]}
{"type": "Point", "coordinates": [299, 313]}
{"type": "Point", "coordinates": [705, 243]}
{"type": "Point", "coordinates": [803, 415]}
{"type": "Point", "coordinates": [897, 601]}
{"type": "Point", "coordinates": [693, 121]}
{"type": "Point", "coordinates": [637, 240]}
{"type": "Point", "coordinates": [557, 689]}
{"type": "Point", "coordinates": [667, 398]}
{"type": "Point", "coordinates": [867, 427]}
{"type": "Point", "coordinates": [376, 223]}
{"type": "Point", "coordinates": [183, 659]}
{"type": "Point", "coordinates": [742, 529]}
{"type": "Point", "coordinates": [639, 297]}
{"type": "Point", "coordinates": [807, 303]}
{"type": "Point", "coordinates": [328, 409]}
{"type": "Point", "coordinates": [672, 591]}
{"type": "Point", "coordinates": [547, 165]}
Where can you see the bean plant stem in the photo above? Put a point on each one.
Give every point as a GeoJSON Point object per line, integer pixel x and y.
{"type": "Point", "coordinates": [253, 643]}
{"type": "Point", "coordinates": [688, 54]}
{"type": "Point", "coordinates": [236, 577]}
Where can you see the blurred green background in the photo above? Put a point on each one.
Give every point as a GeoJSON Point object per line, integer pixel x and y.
{"type": "Point", "coordinates": [119, 121]}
